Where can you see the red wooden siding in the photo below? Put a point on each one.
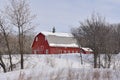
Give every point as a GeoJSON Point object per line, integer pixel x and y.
{"type": "Point", "coordinates": [40, 45]}
{"type": "Point", "coordinates": [56, 50]}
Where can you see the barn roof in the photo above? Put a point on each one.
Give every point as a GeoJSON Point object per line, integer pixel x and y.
{"type": "Point", "coordinates": [57, 34]}
{"type": "Point", "coordinates": [60, 39]}
{"type": "Point", "coordinates": [87, 49]}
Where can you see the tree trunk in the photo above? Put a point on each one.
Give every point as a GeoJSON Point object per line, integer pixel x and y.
{"type": "Point", "coordinates": [95, 60]}
{"type": "Point", "coordinates": [109, 60]}
{"type": "Point", "coordinates": [22, 61]}
{"type": "Point", "coordinates": [20, 46]}
{"type": "Point", "coordinates": [2, 64]}
{"type": "Point", "coordinates": [105, 61]}
{"type": "Point", "coordinates": [9, 51]}
{"type": "Point", "coordinates": [81, 58]}
{"type": "Point", "coordinates": [99, 62]}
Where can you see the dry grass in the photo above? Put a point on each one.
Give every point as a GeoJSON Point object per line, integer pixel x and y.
{"type": "Point", "coordinates": [50, 61]}
{"type": "Point", "coordinates": [70, 74]}
{"type": "Point", "coordinates": [96, 75]}
{"type": "Point", "coordinates": [21, 76]}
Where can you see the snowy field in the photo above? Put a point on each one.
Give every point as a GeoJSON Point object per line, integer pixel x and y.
{"type": "Point", "coordinates": [61, 67]}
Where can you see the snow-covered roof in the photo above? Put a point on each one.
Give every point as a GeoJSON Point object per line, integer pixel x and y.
{"type": "Point", "coordinates": [60, 39]}
{"type": "Point", "coordinates": [64, 45]}
{"type": "Point", "coordinates": [87, 49]}
{"type": "Point", "coordinates": [57, 34]}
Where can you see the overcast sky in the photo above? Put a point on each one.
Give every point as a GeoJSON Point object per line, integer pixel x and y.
{"type": "Point", "coordinates": [65, 14]}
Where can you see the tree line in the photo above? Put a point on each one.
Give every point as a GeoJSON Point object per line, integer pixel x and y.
{"type": "Point", "coordinates": [99, 35]}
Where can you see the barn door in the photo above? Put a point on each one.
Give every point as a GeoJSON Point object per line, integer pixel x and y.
{"type": "Point", "coordinates": [35, 51]}
{"type": "Point", "coordinates": [46, 51]}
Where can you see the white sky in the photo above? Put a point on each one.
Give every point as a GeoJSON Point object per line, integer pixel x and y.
{"type": "Point", "coordinates": [64, 14]}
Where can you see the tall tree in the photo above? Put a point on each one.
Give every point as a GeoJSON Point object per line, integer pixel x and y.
{"type": "Point", "coordinates": [20, 16]}
{"type": "Point", "coordinates": [92, 31]}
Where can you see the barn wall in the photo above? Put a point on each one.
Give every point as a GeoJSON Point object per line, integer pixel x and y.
{"type": "Point", "coordinates": [56, 50]}
{"type": "Point", "coordinates": [40, 45]}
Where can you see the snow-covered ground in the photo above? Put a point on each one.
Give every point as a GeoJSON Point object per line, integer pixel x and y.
{"type": "Point", "coordinates": [61, 67]}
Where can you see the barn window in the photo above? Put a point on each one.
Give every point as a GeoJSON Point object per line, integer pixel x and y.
{"type": "Point", "coordinates": [64, 51]}
{"type": "Point", "coordinates": [36, 38]}
{"type": "Point", "coordinates": [35, 51]}
{"type": "Point", "coordinates": [72, 51]}
{"type": "Point", "coordinates": [60, 51]}
{"type": "Point", "coordinates": [68, 51]}
{"type": "Point", "coordinates": [76, 51]}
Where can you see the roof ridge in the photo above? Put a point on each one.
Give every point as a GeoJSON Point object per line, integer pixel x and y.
{"type": "Point", "coordinates": [57, 34]}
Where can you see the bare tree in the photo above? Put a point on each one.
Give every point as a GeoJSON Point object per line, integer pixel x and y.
{"type": "Point", "coordinates": [3, 29]}
{"type": "Point", "coordinates": [19, 15]}
{"type": "Point", "coordinates": [112, 44]}
{"type": "Point", "coordinates": [92, 31]}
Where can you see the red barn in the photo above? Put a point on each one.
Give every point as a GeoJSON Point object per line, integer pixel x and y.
{"type": "Point", "coordinates": [54, 43]}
